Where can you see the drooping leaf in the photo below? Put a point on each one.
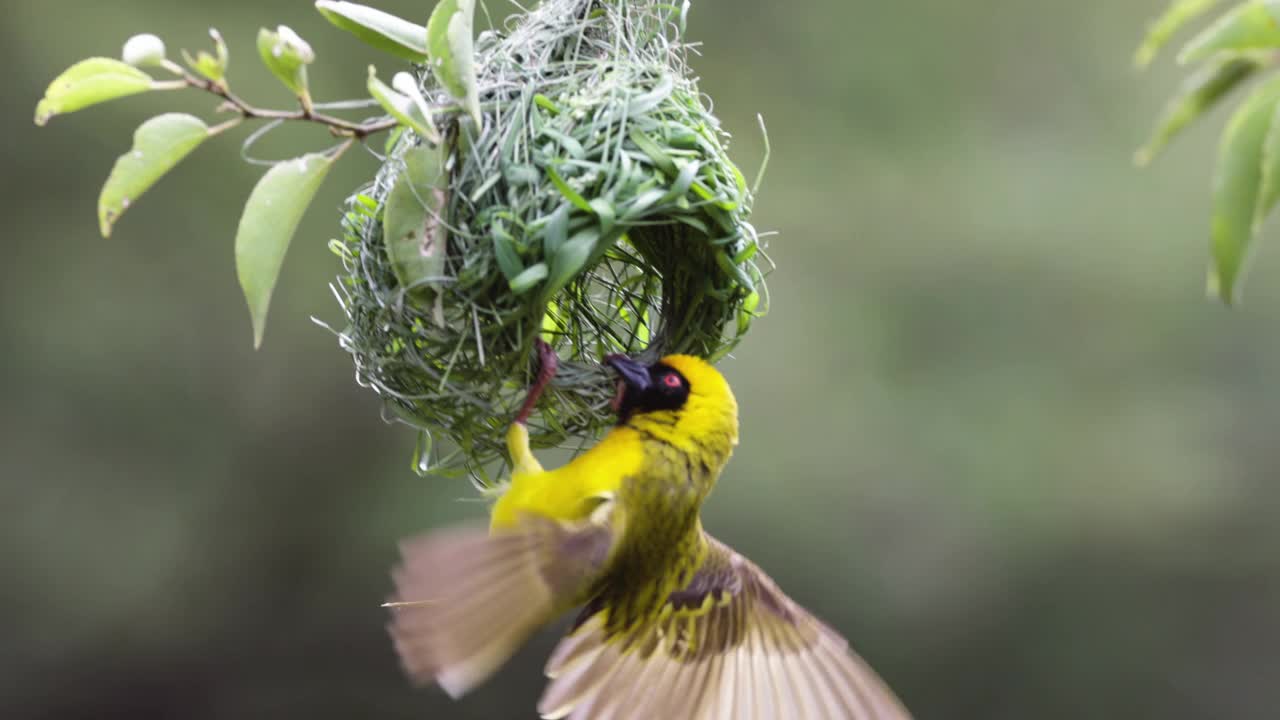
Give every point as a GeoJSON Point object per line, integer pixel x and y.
{"type": "Point", "coordinates": [412, 112]}
{"type": "Point", "coordinates": [450, 45]}
{"type": "Point", "coordinates": [143, 49]}
{"type": "Point", "coordinates": [382, 30]}
{"type": "Point", "coordinates": [271, 216]}
{"type": "Point", "coordinates": [1269, 190]}
{"type": "Point", "coordinates": [286, 55]}
{"type": "Point", "coordinates": [1237, 182]}
{"type": "Point", "coordinates": [90, 82]}
{"type": "Point", "coordinates": [1247, 26]}
{"type": "Point", "coordinates": [412, 227]}
{"type": "Point", "coordinates": [1175, 17]}
{"type": "Point", "coordinates": [1198, 93]}
{"type": "Point", "coordinates": [158, 145]}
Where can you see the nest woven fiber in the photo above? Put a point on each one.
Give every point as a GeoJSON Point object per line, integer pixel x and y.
{"type": "Point", "coordinates": [595, 206]}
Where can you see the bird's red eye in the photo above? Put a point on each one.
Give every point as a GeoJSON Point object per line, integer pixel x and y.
{"type": "Point", "coordinates": [671, 380]}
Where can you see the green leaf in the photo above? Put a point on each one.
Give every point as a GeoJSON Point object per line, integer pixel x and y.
{"type": "Point", "coordinates": [158, 145]}
{"type": "Point", "coordinates": [656, 154]}
{"type": "Point", "coordinates": [1237, 183]}
{"type": "Point", "coordinates": [90, 82]}
{"type": "Point", "coordinates": [504, 249]}
{"type": "Point", "coordinates": [526, 280]}
{"type": "Point", "coordinates": [1269, 191]}
{"type": "Point", "coordinates": [570, 145]}
{"type": "Point", "coordinates": [410, 111]}
{"type": "Point", "coordinates": [211, 66]}
{"type": "Point", "coordinates": [744, 319]}
{"type": "Point", "coordinates": [411, 227]}
{"type": "Point", "coordinates": [569, 193]}
{"type": "Point", "coordinates": [646, 200]}
{"type": "Point", "coordinates": [286, 55]}
{"type": "Point", "coordinates": [1177, 16]}
{"type": "Point", "coordinates": [393, 139]}
{"type": "Point", "coordinates": [421, 462]}
{"type": "Point", "coordinates": [452, 51]}
{"type": "Point", "coordinates": [271, 216]}
{"type": "Point", "coordinates": [1247, 26]}
{"type": "Point", "coordinates": [734, 271]}
{"type": "Point", "coordinates": [520, 175]}
{"type": "Point", "coordinates": [570, 258]}
{"type": "Point", "coordinates": [605, 212]}
{"type": "Point", "coordinates": [556, 231]}
{"type": "Point", "coordinates": [383, 31]}
{"type": "Point", "coordinates": [644, 102]}
{"type": "Point", "coordinates": [546, 103]}
{"type": "Point", "coordinates": [1198, 93]}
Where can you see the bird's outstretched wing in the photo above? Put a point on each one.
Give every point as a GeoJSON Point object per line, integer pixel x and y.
{"type": "Point", "coordinates": [729, 646]}
{"type": "Point", "coordinates": [467, 599]}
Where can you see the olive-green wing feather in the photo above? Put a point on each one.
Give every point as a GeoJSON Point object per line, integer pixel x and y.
{"type": "Point", "coordinates": [729, 646]}
{"type": "Point", "coordinates": [467, 599]}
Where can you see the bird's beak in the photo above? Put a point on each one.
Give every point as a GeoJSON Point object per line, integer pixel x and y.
{"type": "Point", "coordinates": [633, 373]}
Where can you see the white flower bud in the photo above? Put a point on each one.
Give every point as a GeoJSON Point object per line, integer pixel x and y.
{"type": "Point", "coordinates": [405, 84]}
{"type": "Point", "coordinates": [219, 47]}
{"type": "Point", "coordinates": [298, 46]}
{"type": "Point", "coordinates": [144, 49]}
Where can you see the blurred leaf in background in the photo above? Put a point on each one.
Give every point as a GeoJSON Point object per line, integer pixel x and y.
{"type": "Point", "coordinates": [1040, 469]}
{"type": "Point", "coordinates": [1235, 47]}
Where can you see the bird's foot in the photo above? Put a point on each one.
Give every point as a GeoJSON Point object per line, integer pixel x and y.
{"type": "Point", "coordinates": [548, 363]}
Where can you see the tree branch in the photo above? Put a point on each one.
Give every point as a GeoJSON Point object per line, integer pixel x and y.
{"type": "Point", "coordinates": [336, 125]}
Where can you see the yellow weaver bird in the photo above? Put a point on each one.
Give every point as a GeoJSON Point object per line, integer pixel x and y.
{"type": "Point", "coordinates": [674, 625]}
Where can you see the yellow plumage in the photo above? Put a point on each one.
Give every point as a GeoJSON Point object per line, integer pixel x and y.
{"type": "Point", "coordinates": [560, 493]}
{"type": "Point", "coordinates": [675, 623]}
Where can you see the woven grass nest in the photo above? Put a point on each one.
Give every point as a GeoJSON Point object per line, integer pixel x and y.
{"type": "Point", "coordinates": [595, 206]}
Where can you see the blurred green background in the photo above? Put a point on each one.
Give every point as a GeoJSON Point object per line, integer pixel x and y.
{"type": "Point", "coordinates": [992, 430]}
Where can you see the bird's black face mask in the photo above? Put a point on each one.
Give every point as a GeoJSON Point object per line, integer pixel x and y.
{"type": "Point", "coordinates": [646, 388]}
